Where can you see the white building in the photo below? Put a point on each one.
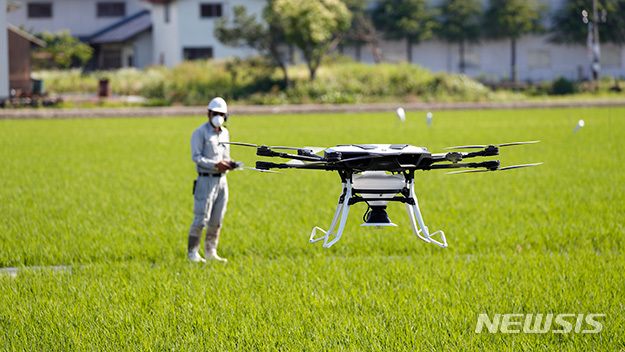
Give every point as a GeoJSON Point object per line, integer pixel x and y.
{"type": "Point", "coordinates": [184, 29]}
{"type": "Point", "coordinates": [4, 52]}
{"type": "Point", "coordinates": [166, 32]}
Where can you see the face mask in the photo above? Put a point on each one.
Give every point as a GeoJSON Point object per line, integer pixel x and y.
{"type": "Point", "coordinates": [217, 120]}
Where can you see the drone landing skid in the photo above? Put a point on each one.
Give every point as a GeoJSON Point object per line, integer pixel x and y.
{"type": "Point", "coordinates": [330, 237]}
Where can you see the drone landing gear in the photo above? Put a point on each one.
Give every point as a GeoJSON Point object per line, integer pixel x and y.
{"type": "Point", "coordinates": [414, 213]}
{"type": "Point", "coordinates": [347, 199]}
{"type": "Point", "coordinates": [342, 210]}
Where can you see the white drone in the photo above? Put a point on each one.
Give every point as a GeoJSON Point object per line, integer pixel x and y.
{"type": "Point", "coordinates": [378, 174]}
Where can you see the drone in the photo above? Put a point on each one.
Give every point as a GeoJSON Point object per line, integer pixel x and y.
{"type": "Point", "coordinates": [377, 174]}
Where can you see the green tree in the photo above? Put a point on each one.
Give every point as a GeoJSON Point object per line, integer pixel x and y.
{"type": "Point", "coordinates": [267, 38]}
{"type": "Point", "coordinates": [567, 26]}
{"type": "Point", "coordinates": [62, 51]}
{"type": "Point", "coordinates": [512, 19]}
{"type": "Point", "coordinates": [460, 22]}
{"type": "Point", "coordinates": [362, 31]}
{"type": "Point", "coordinates": [313, 26]}
{"type": "Point", "coordinates": [404, 19]}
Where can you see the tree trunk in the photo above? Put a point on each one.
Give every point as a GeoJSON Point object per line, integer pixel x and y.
{"type": "Point", "coordinates": [513, 73]}
{"type": "Point", "coordinates": [287, 81]}
{"type": "Point", "coordinates": [409, 49]}
{"type": "Point", "coordinates": [462, 63]}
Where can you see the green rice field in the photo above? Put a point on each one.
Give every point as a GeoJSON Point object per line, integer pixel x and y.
{"type": "Point", "coordinates": [95, 215]}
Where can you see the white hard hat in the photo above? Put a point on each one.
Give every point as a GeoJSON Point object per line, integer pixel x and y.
{"type": "Point", "coordinates": [218, 105]}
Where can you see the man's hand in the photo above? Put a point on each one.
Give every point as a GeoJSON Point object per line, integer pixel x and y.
{"type": "Point", "coordinates": [223, 166]}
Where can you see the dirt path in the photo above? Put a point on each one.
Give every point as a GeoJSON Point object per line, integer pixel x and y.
{"type": "Point", "coordinates": [51, 113]}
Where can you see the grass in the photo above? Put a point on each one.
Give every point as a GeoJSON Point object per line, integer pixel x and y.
{"type": "Point", "coordinates": [111, 198]}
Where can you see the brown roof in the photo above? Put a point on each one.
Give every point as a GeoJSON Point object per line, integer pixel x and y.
{"type": "Point", "coordinates": [26, 35]}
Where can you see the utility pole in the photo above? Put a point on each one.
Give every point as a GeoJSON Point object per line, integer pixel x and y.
{"type": "Point", "coordinates": [596, 65]}
{"type": "Point", "coordinates": [593, 38]}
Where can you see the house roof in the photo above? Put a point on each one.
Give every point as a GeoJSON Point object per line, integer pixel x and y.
{"type": "Point", "coordinates": [31, 38]}
{"type": "Point", "coordinates": [123, 30]}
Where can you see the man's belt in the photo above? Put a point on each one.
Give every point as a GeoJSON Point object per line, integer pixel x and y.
{"type": "Point", "coordinates": [207, 174]}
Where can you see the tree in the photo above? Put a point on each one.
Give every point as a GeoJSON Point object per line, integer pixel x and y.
{"type": "Point", "coordinates": [460, 23]}
{"type": "Point", "coordinates": [62, 51]}
{"type": "Point", "coordinates": [511, 19]}
{"type": "Point", "coordinates": [313, 26]}
{"type": "Point", "coordinates": [362, 31]}
{"type": "Point", "coordinates": [407, 19]}
{"type": "Point", "coordinates": [267, 38]}
{"type": "Point", "coordinates": [567, 26]}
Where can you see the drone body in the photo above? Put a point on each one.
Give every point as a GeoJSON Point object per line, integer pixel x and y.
{"type": "Point", "coordinates": [378, 174]}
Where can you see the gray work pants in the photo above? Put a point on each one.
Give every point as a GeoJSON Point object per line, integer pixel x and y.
{"type": "Point", "coordinates": [210, 201]}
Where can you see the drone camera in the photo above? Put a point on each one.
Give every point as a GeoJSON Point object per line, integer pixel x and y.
{"type": "Point", "coordinates": [377, 216]}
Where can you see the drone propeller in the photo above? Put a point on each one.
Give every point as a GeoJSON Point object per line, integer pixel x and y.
{"type": "Point", "coordinates": [496, 145]}
{"type": "Point", "coordinates": [498, 169]}
{"type": "Point", "coordinates": [261, 170]}
{"type": "Point", "coordinates": [313, 150]}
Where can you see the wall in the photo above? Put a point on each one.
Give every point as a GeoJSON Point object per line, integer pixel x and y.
{"type": "Point", "coordinates": [4, 52]}
{"type": "Point", "coordinates": [19, 63]}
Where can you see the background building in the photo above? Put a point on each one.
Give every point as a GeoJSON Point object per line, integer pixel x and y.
{"type": "Point", "coordinates": [166, 32]}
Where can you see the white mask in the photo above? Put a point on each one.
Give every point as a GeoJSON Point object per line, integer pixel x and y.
{"type": "Point", "coordinates": [217, 120]}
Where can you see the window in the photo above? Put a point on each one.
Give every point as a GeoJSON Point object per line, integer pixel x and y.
{"type": "Point", "coordinates": [197, 53]}
{"type": "Point", "coordinates": [210, 10]}
{"type": "Point", "coordinates": [111, 9]}
{"type": "Point", "coordinates": [539, 58]}
{"type": "Point", "coordinates": [39, 10]}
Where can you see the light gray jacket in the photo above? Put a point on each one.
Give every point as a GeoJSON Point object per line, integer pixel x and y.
{"type": "Point", "coordinates": [206, 147]}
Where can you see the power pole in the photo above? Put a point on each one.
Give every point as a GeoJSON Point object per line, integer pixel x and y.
{"type": "Point", "coordinates": [593, 38]}
{"type": "Point", "coordinates": [596, 64]}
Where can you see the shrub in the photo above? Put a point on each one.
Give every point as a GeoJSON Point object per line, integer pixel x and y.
{"type": "Point", "coordinates": [562, 86]}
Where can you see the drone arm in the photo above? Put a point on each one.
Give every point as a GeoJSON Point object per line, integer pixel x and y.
{"type": "Point", "coordinates": [266, 151]}
{"type": "Point", "coordinates": [490, 165]}
{"type": "Point", "coordinates": [455, 157]}
{"type": "Point", "coordinates": [265, 165]}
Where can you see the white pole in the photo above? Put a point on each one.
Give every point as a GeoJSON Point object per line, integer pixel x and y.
{"type": "Point", "coordinates": [4, 52]}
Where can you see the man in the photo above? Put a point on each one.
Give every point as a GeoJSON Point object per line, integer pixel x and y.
{"type": "Point", "coordinates": [210, 191]}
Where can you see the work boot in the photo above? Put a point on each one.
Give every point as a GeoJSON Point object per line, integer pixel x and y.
{"type": "Point", "coordinates": [196, 258]}
{"type": "Point", "coordinates": [193, 246]}
{"type": "Point", "coordinates": [212, 239]}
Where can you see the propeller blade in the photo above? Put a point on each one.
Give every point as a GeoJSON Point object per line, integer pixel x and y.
{"type": "Point", "coordinates": [496, 145]}
{"type": "Point", "coordinates": [465, 171]}
{"type": "Point", "coordinates": [242, 144]}
{"type": "Point", "coordinates": [314, 150]}
{"type": "Point", "coordinates": [295, 162]}
{"type": "Point", "coordinates": [517, 143]}
{"type": "Point", "coordinates": [261, 170]}
{"type": "Point", "coordinates": [499, 169]}
{"type": "Point", "coordinates": [518, 166]}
